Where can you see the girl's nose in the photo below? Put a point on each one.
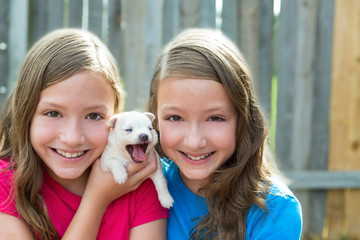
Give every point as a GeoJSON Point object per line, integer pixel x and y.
{"type": "Point", "coordinates": [72, 133]}
{"type": "Point", "coordinates": [195, 138]}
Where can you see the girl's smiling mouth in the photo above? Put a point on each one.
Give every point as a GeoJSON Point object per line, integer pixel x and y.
{"type": "Point", "coordinates": [199, 157]}
{"type": "Point", "coordinates": [68, 154]}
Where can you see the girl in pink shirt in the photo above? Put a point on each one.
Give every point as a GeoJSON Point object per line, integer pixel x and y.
{"type": "Point", "coordinates": [53, 129]}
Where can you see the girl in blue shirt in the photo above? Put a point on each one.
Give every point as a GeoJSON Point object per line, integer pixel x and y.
{"type": "Point", "coordinates": [213, 139]}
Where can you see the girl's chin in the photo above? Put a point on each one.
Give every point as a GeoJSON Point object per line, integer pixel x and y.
{"type": "Point", "coordinates": [67, 174]}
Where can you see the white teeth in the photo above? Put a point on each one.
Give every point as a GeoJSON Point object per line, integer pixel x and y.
{"type": "Point", "coordinates": [198, 158]}
{"type": "Point", "coordinates": [69, 155]}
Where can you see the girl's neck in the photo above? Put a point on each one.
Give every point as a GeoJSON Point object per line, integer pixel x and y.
{"type": "Point", "coordinates": [76, 186]}
{"type": "Point", "coordinates": [194, 185]}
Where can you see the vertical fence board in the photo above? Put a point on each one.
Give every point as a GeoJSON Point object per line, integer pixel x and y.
{"type": "Point", "coordinates": [75, 13]}
{"type": "Point", "coordinates": [171, 20]}
{"type": "Point", "coordinates": [189, 14]}
{"type": "Point", "coordinates": [135, 53]}
{"type": "Point", "coordinates": [55, 14]}
{"type": "Point", "coordinates": [320, 122]}
{"type": "Point", "coordinates": [95, 17]}
{"type": "Point", "coordinates": [230, 21]}
{"type": "Point", "coordinates": [265, 54]}
{"type": "Point", "coordinates": [153, 41]}
{"type": "Point", "coordinates": [197, 13]}
{"type": "Point", "coordinates": [114, 34]}
{"type": "Point", "coordinates": [304, 81]}
{"type": "Point", "coordinates": [38, 19]}
{"type": "Point", "coordinates": [343, 206]}
{"type": "Point", "coordinates": [303, 94]}
{"type": "Point", "coordinates": [208, 14]}
{"type": "Point", "coordinates": [4, 52]}
{"type": "Point", "coordinates": [18, 35]}
{"type": "Point", "coordinates": [249, 34]}
{"type": "Point", "coordinates": [285, 50]}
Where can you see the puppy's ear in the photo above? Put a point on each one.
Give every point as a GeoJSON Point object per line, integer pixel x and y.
{"type": "Point", "coordinates": [150, 115]}
{"type": "Point", "coordinates": [113, 122]}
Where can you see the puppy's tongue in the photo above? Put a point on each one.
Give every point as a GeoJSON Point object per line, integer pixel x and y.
{"type": "Point", "coordinates": [138, 153]}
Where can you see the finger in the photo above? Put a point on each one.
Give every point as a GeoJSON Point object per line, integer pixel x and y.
{"type": "Point", "coordinates": [133, 167]}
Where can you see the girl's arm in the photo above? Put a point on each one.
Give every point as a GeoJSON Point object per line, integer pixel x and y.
{"type": "Point", "coordinates": [155, 230]}
{"type": "Point", "coordinates": [100, 191]}
{"type": "Point", "coordinates": [14, 228]}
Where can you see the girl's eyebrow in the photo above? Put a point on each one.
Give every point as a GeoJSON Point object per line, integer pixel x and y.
{"type": "Point", "coordinates": [220, 108]}
{"type": "Point", "coordinates": [168, 107]}
{"type": "Point", "coordinates": [56, 105]}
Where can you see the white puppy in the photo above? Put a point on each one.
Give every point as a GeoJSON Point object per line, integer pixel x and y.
{"type": "Point", "coordinates": [133, 138]}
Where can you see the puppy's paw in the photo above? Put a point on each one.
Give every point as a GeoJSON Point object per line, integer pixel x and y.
{"type": "Point", "coordinates": [119, 176]}
{"type": "Point", "coordinates": [120, 179]}
{"type": "Point", "coordinates": [166, 201]}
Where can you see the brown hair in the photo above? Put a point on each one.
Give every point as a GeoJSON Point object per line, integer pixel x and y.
{"type": "Point", "coordinates": [54, 58]}
{"type": "Point", "coordinates": [244, 179]}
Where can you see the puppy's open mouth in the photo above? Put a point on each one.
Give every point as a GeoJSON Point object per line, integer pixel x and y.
{"type": "Point", "coordinates": [137, 152]}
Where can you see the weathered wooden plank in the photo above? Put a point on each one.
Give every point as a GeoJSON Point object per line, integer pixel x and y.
{"type": "Point", "coordinates": [134, 53]}
{"type": "Point", "coordinates": [322, 179]}
{"type": "Point", "coordinates": [230, 21]}
{"type": "Point", "coordinates": [170, 20]}
{"type": "Point", "coordinates": [95, 20]}
{"type": "Point", "coordinates": [75, 13]}
{"type": "Point", "coordinates": [55, 15]}
{"type": "Point", "coordinates": [248, 33]}
{"type": "Point", "coordinates": [4, 51]}
{"type": "Point", "coordinates": [38, 23]}
{"type": "Point", "coordinates": [18, 38]}
{"type": "Point", "coordinates": [285, 52]}
{"type": "Point", "coordinates": [304, 80]}
{"type": "Point", "coordinates": [197, 13]}
{"type": "Point", "coordinates": [343, 208]}
{"type": "Point", "coordinates": [114, 37]}
{"type": "Point", "coordinates": [303, 95]}
{"type": "Point", "coordinates": [320, 114]}
{"type": "Point", "coordinates": [153, 41]}
{"type": "Point", "coordinates": [265, 55]}
{"type": "Point", "coordinates": [208, 14]}
{"type": "Point", "coordinates": [296, 46]}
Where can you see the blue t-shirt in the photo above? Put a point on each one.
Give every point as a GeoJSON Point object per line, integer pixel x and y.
{"type": "Point", "coordinates": [283, 220]}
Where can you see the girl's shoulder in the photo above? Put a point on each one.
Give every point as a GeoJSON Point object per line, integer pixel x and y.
{"type": "Point", "coordinates": [279, 188]}
{"type": "Point", "coordinates": [282, 218]}
{"type": "Point", "coordinates": [6, 170]}
{"type": "Point", "coordinates": [7, 198]}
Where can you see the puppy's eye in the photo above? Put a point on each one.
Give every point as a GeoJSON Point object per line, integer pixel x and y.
{"type": "Point", "coordinates": [129, 130]}
{"type": "Point", "coordinates": [150, 128]}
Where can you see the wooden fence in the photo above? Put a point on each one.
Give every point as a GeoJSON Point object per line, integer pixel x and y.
{"type": "Point", "coordinates": [306, 64]}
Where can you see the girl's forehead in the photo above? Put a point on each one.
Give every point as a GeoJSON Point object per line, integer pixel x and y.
{"type": "Point", "coordinates": [83, 85]}
{"type": "Point", "coordinates": [189, 93]}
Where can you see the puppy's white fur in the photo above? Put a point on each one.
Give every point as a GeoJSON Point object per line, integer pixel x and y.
{"type": "Point", "coordinates": [130, 129]}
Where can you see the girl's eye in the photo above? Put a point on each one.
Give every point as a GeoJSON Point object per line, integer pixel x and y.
{"type": "Point", "coordinates": [53, 114]}
{"type": "Point", "coordinates": [174, 118]}
{"type": "Point", "coordinates": [216, 119]}
{"type": "Point", "coordinates": [94, 116]}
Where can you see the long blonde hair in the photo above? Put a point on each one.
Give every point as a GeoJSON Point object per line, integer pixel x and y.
{"type": "Point", "coordinates": [54, 58]}
{"type": "Point", "coordinates": [244, 179]}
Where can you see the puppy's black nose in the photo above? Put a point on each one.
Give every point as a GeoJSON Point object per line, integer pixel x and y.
{"type": "Point", "coordinates": [144, 137]}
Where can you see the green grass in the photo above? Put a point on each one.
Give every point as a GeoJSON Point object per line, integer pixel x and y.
{"type": "Point", "coordinates": [273, 113]}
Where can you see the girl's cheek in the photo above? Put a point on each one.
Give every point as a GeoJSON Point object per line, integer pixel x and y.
{"type": "Point", "coordinates": [100, 136]}
{"type": "Point", "coordinates": [168, 134]}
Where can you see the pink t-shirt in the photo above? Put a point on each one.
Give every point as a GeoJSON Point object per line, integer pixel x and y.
{"type": "Point", "coordinates": [135, 208]}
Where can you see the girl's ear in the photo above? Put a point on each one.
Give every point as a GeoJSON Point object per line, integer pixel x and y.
{"type": "Point", "coordinates": [150, 115]}
{"type": "Point", "coordinates": [113, 121]}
